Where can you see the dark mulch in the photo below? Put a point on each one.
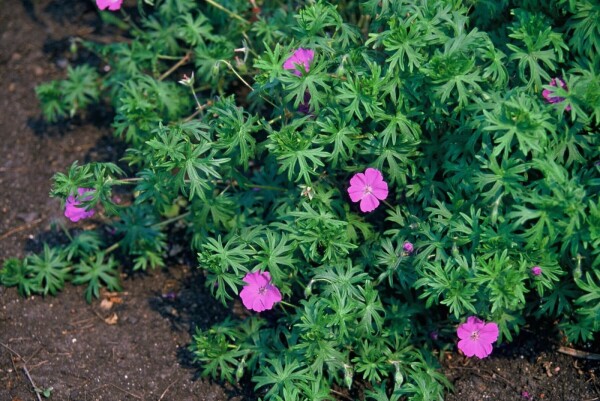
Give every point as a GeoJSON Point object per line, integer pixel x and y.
{"type": "Point", "coordinates": [69, 345]}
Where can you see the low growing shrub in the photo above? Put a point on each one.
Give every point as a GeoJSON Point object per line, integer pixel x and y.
{"type": "Point", "coordinates": [374, 180]}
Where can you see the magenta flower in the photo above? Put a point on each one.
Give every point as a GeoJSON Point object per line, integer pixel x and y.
{"type": "Point", "coordinates": [259, 294]}
{"type": "Point", "coordinates": [476, 337]}
{"type": "Point", "coordinates": [302, 57]}
{"type": "Point", "coordinates": [547, 94]}
{"type": "Point", "coordinates": [72, 207]}
{"type": "Point", "coordinates": [408, 247]}
{"type": "Point", "coordinates": [112, 5]}
{"type": "Point", "coordinates": [536, 270]}
{"type": "Point", "coordinates": [368, 188]}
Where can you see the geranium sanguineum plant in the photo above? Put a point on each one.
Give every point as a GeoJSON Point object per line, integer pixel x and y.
{"type": "Point", "coordinates": [283, 207]}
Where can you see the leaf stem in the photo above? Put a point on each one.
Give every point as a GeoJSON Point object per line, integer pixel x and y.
{"type": "Point", "coordinates": [236, 73]}
{"type": "Point", "coordinates": [181, 62]}
{"type": "Point", "coordinates": [171, 220]}
{"type": "Point", "coordinates": [226, 11]}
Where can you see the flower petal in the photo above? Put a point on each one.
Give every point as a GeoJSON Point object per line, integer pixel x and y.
{"type": "Point", "coordinates": [372, 176]}
{"type": "Point", "coordinates": [380, 190]}
{"type": "Point", "coordinates": [482, 349]}
{"type": "Point", "coordinates": [467, 346]}
{"type": "Point", "coordinates": [355, 193]}
{"type": "Point", "coordinates": [489, 333]}
{"type": "Point", "coordinates": [368, 203]}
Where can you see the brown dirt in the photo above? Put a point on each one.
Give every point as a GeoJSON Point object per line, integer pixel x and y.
{"type": "Point", "coordinates": [67, 344]}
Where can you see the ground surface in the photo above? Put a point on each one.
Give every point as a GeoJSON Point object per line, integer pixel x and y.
{"type": "Point", "coordinates": [136, 350]}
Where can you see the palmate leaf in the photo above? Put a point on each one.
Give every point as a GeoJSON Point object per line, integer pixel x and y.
{"type": "Point", "coordinates": [396, 160]}
{"type": "Point", "coordinates": [315, 82]}
{"type": "Point", "coordinates": [226, 264]}
{"type": "Point", "coordinates": [296, 153]}
{"type": "Point", "coordinates": [275, 254]}
{"type": "Point", "coordinates": [370, 310]}
{"type": "Point", "coordinates": [194, 30]}
{"type": "Point", "coordinates": [53, 105]}
{"type": "Point", "coordinates": [193, 164]}
{"type": "Point", "coordinates": [84, 243]}
{"type": "Point", "coordinates": [448, 285]}
{"type": "Point", "coordinates": [585, 28]}
{"type": "Point", "coordinates": [320, 235]}
{"type": "Point", "coordinates": [505, 178]}
{"type": "Point", "coordinates": [542, 47]}
{"type": "Point", "coordinates": [518, 125]}
{"type": "Point", "coordinates": [76, 177]}
{"type": "Point", "coordinates": [81, 88]}
{"type": "Point", "coordinates": [281, 376]}
{"type": "Point", "coordinates": [334, 131]}
{"type": "Point", "coordinates": [235, 130]}
{"type": "Point", "coordinates": [399, 126]}
{"type": "Point", "coordinates": [97, 272]}
{"type": "Point", "coordinates": [589, 302]}
{"type": "Point", "coordinates": [16, 272]}
{"type": "Point", "coordinates": [361, 93]}
{"type": "Point", "coordinates": [49, 270]}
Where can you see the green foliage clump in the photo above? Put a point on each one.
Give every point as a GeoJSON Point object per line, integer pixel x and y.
{"type": "Point", "coordinates": [491, 171]}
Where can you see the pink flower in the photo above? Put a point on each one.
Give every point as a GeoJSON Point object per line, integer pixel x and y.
{"type": "Point", "coordinates": [259, 294]}
{"type": "Point", "coordinates": [72, 207]}
{"type": "Point", "coordinates": [476, 337]}
{"type": "Point", "coordinates": [408, 247]}
{"type": "Point", "coordinates": [536, 270]}
{"type": "Point", "coordinates": [302, 57]}
{"type": "Point", "coordinates": [547, 94]}
{"type": "Point", "coordinates": [112, 5]}
{"type": "Point", "coordinates": [368, 188]}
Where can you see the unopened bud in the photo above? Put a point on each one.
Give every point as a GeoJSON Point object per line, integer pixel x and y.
{"type": "Point", "coordinates": [308, 289]}
{"type": "Point", "coordinates": [348, 375]}
{"type": "Point", "coordinates": [239, 372]}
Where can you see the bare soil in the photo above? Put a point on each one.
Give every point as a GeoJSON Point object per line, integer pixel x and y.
{"type": "Point", "coordinates": [137, 349]}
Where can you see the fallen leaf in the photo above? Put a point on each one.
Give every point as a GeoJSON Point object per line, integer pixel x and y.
{"type": "Point", "coordinates": [106, 304]}
{"type": "Point", "coordinates": [112, 319]}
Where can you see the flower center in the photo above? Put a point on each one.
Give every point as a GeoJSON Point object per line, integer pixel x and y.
{"type": "Point", "coordinates": [475, 335]}
{"type": "Point", "coordinates": [262, 290]}
{"type": "Point", "coordinates": [367, 190]}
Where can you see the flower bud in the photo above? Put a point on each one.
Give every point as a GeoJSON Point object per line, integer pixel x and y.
{"type": "Point", "coordinates": [348, 375]}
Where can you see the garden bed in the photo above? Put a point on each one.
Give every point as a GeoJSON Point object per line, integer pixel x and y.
{"type": "Point", "coordinates": [133, 345]}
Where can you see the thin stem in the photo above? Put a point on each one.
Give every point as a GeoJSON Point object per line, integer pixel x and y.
{"type": "Point", "coordinates": [236, 74]}
{"type": "Point", "coordinates": [165, 57]}
{"type": "Point", "coordinates": [226, 11]}
{"type": "Point", "coordinates": [387, 203]}
{"type": "Point", "coordinates": [127, 18]}
{"type": "Point", "coordinates": [127, 181]}
{"type": "Point", "coordinates": [268, 187]}
{"type": "Point", "coordinates": [171, 220]}
{"type": "Point", "coordinates": [111, 248]}
{"type": "Point", "coordinates": [287, 304]}
{"type": "Point", "coordinates": [181, 62]}
{"type": "Point", "coordinates": [200, 108]}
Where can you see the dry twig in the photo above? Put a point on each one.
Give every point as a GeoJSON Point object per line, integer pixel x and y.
{"type": "Point", "coordinates": [24, 367]}
{"type": "Point", "coordinates": [579, 354]}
